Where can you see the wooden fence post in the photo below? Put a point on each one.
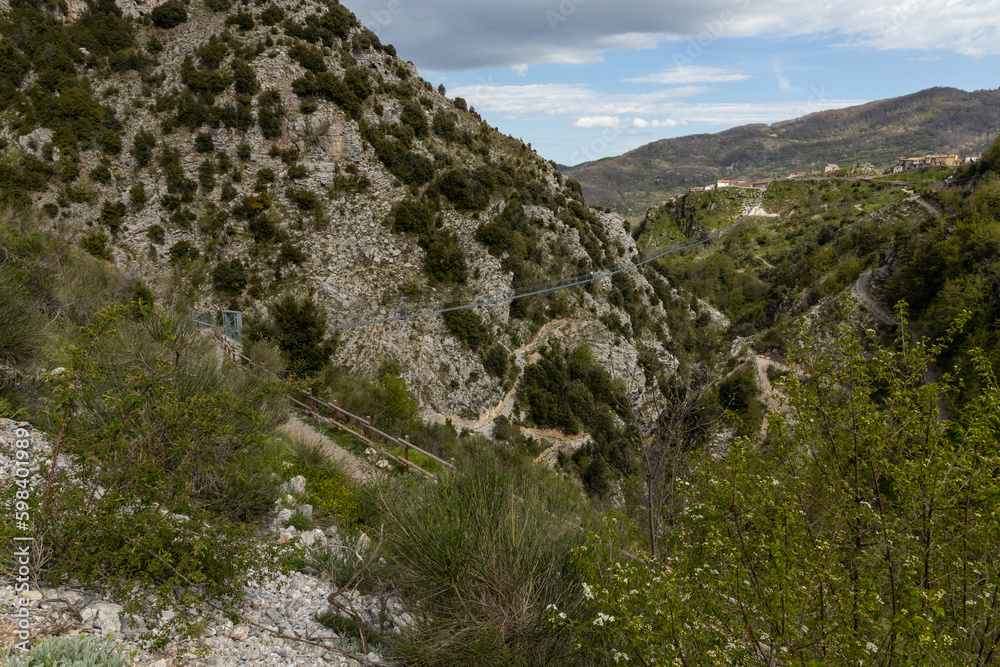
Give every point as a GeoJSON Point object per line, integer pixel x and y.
{"type": "Point", "coordinates": [312, 404]}
{"type": "Point", "coordinates": [336, 412]}
{"type": "Point", "coordinates": [406, 450]}
{"type": "Point", "coordinates": [368, 426]}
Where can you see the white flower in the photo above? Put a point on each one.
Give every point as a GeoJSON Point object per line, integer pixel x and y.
{"type": "Point", "coordinates": [587, 593]}
{"type": "Point", "coordinates": [618, 656]}
{"type": "Point", "coordinates": [602, 617]}
{"type": "Point", "coordinates": [871, 647]}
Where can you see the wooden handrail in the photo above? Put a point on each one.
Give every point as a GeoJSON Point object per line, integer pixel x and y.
{"type": "Point", "coordinates": [371, 430]}
{"type": "Point", "coordinates": [367, 441]}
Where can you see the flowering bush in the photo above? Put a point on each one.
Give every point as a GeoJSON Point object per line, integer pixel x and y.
{"type": "Point", "coordinates": [863, 531]}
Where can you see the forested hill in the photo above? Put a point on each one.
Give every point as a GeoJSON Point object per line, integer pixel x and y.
{"type": "Point", "coordinates": [936, 120]}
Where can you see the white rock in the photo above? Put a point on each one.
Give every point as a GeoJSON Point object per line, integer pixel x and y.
{"type": "Point", "coordinates": [104, 616]}
{"type": "Point", "coordinates": [306, 511]}
{"type": "Point", "coordinates": [239, 633]}
{"type": "Point", "coordinates": [296, 484]}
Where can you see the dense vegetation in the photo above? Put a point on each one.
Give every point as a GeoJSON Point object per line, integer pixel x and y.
{"type": "Point", "coordinates": [949, 267]}
{"type": "Point", "coordinates": [861, 530]}
{"type": "Point", "coordinates": [829, 231]}
{"type": "Point", "coordinates": [860, 527]}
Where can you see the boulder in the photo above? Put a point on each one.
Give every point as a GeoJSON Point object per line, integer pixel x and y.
{"type": "Point", "coordinates": [104, 617]}
{"type": "Point", "coordinates": [296, 484]}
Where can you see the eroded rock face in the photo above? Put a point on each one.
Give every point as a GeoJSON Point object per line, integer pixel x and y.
{"type": "Point", "coordinates": [138, 7]}
{"type": "Point", "coordinates": [353, 259]}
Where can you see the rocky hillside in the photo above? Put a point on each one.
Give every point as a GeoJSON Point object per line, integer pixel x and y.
{"type": "Point", "coordinates": [229, 154]}
{"type": "Point", "coordinates": [937, 120]}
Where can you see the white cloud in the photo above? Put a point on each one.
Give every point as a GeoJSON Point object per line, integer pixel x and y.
{"type": "Point", "coordinates": [451, 35]}
{"type": "Point", "coordinates": [560, 100]}
{"type": "Point", "coordinates": [692, 74]}
{"type": "Point", "coordinates": [592, 122]}
{"type": "Point", "coordinates": [616, 123]}
{"type": "Point", "coordinates": [588, 109]}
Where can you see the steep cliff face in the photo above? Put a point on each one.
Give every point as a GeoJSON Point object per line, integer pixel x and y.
{"type": "Point", "coordinates": [280, 143]}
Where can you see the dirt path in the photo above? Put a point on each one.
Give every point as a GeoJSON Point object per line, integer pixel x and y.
{"type": "Point", "coordinates": [356, 468]}
{"type": "Point", "coordinates": [931, 207]}
{"type": "Point", "coordinates": [507, 403]}
{"type": "Point", "coordinates": [862, 292]}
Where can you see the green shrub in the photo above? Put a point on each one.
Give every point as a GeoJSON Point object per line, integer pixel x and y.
{"type": "Point", "coordinates": [203, 143]}
{"type": "Point", "coordinates": [304, 200]}
{"type": "Point", "coordinates": [101, 173]}
{"type": "Point", "coordinates": [413, 216]}
{"type": "Point", "coordinates": [269, 114]}
{"type": "Point", "coordinates": [112, 214]}
{"type": "Point", "coordinates": [69, 652]}
{"type": "Point", "coordinates": [169, 15]}
{"type": "Point", "coordinates": [206, 175]}
{"type": "Point", "coordinates": [300, 521]}
{"type": "Point", "coordinates": [245, 80]}
{"type": "Point", "coordinates": [137, 195]}
{"type": "Point", "coordinates": [465, 192]}
{"type": "Point", "coordinates": [212, 53]}
{"type": "Point", "coordinates": [335, 24]}
{"type": "Point", "coordinates": [310, 58]}
{"type": "Point", "coordinates": [485, 555]}
{"type": "Point", "coordinates": [272, 14]}
{"type": "Point", "coordinates": [111, 142]}
{"type": "Point", "coordinates": [298, 327]}
{"type": "Point", "coordinates": [468, 328]}
{"type": "Point", "coordinates": [95, 242]}
{"type": "Point", "coordinates": [445, 126]}
{"type": "Point", "coordinates": [348, 92]}
{"type": "Point", "coordinates": [22, 332]}
{"type": "Point", "coordinates": [229, 278]}
{"type": "Point", "coordinates": [242, 20]}
{"type": "Point", "coordinates": [182, 252]}
{"type": "Point", "coordinates": [571, 391]}
{"type": "Point", "coordinates": [444, 260]}
{"type": "Point", "coordinates": [496, 361]}
{"type": "Point", "coordinates": [142, 147]}
{"type": "Point", "coordinates": [177, 181]}
{"type": "Point", "coordinates": [413, 116]}
{"type": "Point", "coordinates": [163, 426]}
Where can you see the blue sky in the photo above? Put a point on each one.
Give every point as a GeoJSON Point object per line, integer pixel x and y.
{"type": "Point", "coordinates": [585, 79]}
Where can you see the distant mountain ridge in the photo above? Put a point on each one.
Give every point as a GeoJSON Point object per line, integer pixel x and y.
{"type": "Point", "coordinates": [936, 120]}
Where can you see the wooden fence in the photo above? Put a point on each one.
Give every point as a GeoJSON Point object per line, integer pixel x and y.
{"type": "Point", "coordinates": [341, 420]}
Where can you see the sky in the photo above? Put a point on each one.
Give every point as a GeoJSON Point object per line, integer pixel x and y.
{"type": "Point", "coordinates": [585, 79]}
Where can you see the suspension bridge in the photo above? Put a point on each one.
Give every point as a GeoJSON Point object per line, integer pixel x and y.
{"type": "Point", "coordinates": [433, 304]}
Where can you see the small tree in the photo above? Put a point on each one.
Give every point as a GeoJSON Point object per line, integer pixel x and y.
{"type": "Point", "coordinates": [863, 531]}
{"type": "Point", "coordinates": [298, 326]}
